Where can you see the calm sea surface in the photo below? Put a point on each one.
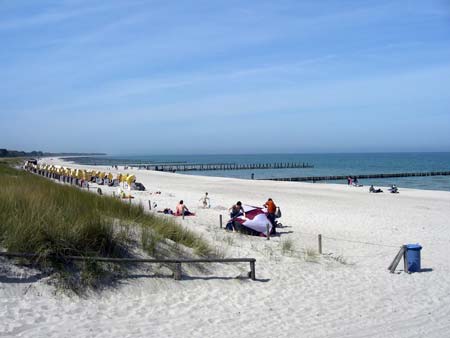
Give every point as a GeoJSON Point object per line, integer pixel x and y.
{"type": "Point", "coordinates": [324, 165]}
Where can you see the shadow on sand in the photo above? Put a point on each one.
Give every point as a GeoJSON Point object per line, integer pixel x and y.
{"type": "Point", "coordinates": [186, 277]}
{"type": "Point", "coordinates": [18, 280]}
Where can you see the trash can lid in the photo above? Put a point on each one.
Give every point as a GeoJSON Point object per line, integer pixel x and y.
{"type": "Point", "coordinates": [416, 246]}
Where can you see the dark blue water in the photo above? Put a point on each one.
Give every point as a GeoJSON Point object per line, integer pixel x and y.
{"type": "Point", "coordinates": [324, 165]}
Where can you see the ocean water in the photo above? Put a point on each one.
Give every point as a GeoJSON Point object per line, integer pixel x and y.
{"type": "Point", "coordinates": [324, 165]}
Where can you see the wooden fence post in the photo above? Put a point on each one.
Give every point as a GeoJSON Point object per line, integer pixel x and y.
{"type": "Point", "coordinates": [177, 271]}
{"type": "Point", "coordinates": [268, 231]}
{"type": "Point", "coordinates": [220, 220]}
{"type": "Point", "coordinates": [252, 270]}
{"type": "Point", "coordinates": [320, 244]}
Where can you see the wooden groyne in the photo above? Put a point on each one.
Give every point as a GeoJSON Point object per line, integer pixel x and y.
{"type": "Point", "coordinates": [337, 178]}
{"type": "Point", "coordinates": [223, 166]}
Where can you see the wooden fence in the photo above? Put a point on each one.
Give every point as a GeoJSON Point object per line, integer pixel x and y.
{"type": "Point", "coordinates": [176, 261]}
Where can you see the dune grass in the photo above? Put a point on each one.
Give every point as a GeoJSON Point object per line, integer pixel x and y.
{"type": "Point", "coordinates": [287, 247]}
{"type": "Point", "coordinates": [44, 217]}
{"type": "Point", "coordinates": [311, 255]}
{"type": "Point", "coordinates": [11, 161]}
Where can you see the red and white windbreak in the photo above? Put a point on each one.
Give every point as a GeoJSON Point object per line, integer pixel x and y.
{"type": "Point", "coordinates": [256, 219]}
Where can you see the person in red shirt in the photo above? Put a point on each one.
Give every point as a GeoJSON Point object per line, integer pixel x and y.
{"type": "Point", "coordinates": [271, 209]}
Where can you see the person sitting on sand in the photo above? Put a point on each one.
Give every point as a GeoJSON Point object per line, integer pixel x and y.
{"type": "Point", "coordinates": [372, 189]}
{"type": "Point", "coordinates": [205, 201]}
{"type": "Point", "coordinates": [236, 210]}
{"type": "Point", "coordinates": [168, 211]}
{"type": "Point", "coordinates": [182, 209]}
{"type": "Point", "coordinates": [393, 189]}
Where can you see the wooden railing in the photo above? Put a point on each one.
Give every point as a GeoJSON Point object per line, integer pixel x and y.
{"type": "Point", "coordinates": [176, 261]}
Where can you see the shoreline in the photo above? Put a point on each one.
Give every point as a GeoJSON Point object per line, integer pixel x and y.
{"type": "Point", "coordinates": [107, 168]}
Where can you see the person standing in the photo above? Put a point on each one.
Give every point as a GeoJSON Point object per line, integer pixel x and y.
{"type": "Point", "coordinates": [205, 201]}
{"type": "Point", "coordinates": [271, 209]}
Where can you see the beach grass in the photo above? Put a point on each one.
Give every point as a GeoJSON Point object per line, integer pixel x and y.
{"type": "Point", "coordinates": [287, 247]}
{"type": "Point", "coordinates": [44, 217]}
{"type": "Point", "coordinates": [11, 161]}
{"type": "Point", "coordinates": [311, 255]}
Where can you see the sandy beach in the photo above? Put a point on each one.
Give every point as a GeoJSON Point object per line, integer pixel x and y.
{"type": "Point", "coordinates": [346, 292]}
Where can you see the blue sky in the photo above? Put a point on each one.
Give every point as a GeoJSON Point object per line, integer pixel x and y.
{"type": "Point", "coordinates": [172, 77]}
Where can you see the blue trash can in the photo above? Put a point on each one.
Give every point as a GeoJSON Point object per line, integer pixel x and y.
{"type": "Point", "coordinates": [413, 257]}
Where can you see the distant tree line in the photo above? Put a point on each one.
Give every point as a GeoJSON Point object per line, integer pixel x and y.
{"type": "Point", "coordinates": [17, 153]}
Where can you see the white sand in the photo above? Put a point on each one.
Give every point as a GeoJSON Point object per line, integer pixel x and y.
{"type": "Point", "coordinates": [347, 292]}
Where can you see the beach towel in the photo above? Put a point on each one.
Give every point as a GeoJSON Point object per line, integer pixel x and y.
{"type": "Point", "coordinates": [187, 214]}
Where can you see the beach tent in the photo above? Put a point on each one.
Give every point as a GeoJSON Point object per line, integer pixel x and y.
{"type": "Point", "coordinates": [255, 222]}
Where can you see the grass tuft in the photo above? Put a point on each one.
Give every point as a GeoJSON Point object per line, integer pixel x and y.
{"type": "Point", "coordinates": [287, 247]}
{"type": "Point", "coordinates": [311, 255]}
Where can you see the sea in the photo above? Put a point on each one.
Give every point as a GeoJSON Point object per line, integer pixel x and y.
{"type": "Point", "coordinates": [324, 165]}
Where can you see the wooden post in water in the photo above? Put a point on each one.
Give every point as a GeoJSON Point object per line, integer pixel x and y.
{"type": "Point", "coordinates": [220, 220]}
{"type": "Point", "coordinates": [149, 205]}
{"type": "Point", "coordinates": [320, 244]}
{"type": "Point", "coordinates": [268, 231]}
